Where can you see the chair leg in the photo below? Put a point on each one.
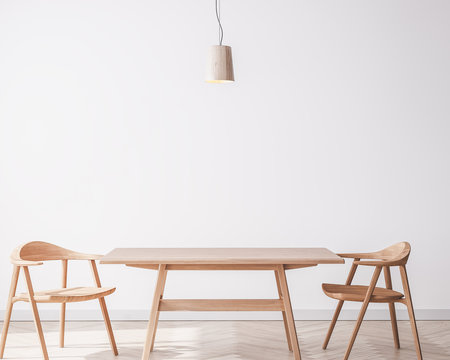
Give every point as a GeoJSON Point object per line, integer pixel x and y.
{"type": "Point", "coordinates": [388, 280]}
{"type": "Point", "coordinates": [394, 325]}
{"type": "Point", "coordinates": [410, 307]}
{"type": "Point", "coordinates": [286, 326]}
{"type": "Point", "coordinates": [109, 329]}
{"type": "Point", "coordinates": [104, 309]}
{"type": "Point", "coordinates": [9, 307]}
{"type": "Point", "coordinates": [62, 317]}
{"type": "Point", "coordinates": [37, 320]}
{"type": "Point", "coordinates": [333, 323]}
{"type": "Point", "coordinates": [62, 324]}
{"type": "Point", "coordinates": [362, 312]}
{"type": "Point", "coordinates": [350, 277]}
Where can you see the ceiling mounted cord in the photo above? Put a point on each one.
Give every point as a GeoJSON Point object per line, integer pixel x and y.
{"type": "Point", "coordinates": [218, 20]}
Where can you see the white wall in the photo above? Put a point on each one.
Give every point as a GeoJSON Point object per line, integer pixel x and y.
{"type": "Point", "coordinates": [336, 134]}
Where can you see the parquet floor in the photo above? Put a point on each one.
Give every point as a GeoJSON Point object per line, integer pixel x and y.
{"type": "Point", "coordinates": [228, 340]}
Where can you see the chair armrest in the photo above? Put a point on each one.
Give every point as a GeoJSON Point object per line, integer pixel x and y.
{"type": "Point", "coordinates": [26, 262]}
{"type": "Point", "coordinates": [378, 263]}
{"type": "Point", "coordinates": [355, 255]}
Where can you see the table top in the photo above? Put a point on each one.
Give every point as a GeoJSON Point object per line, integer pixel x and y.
{"type": "Point", "coordinates": [213, 256]}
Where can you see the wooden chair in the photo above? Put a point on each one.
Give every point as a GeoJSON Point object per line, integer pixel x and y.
{"type": "Point", "coordinates": [396, 255]}
{"type": "Point", "coordinates": [34, 253]}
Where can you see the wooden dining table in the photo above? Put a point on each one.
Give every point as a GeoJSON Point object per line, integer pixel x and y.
{"type": "Point", "coordinates": [278, 260]}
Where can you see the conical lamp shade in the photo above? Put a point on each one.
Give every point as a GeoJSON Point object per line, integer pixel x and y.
{"type": "Point", "coordinates": [220, 65]}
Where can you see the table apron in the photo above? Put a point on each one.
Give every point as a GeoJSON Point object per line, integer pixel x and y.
{"type": "Point", "coordinates": [207, 267]}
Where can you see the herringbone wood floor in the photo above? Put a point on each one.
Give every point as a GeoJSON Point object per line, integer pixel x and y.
{"type": "Point", "coordinates": [229, 340]}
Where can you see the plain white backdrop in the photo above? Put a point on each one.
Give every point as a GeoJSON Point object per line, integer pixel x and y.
{"type": "Point", "coordinates": [336, 134]}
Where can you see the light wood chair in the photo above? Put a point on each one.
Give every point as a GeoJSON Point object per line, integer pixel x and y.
{"type": "Point", "coordinates": [34, 253]}
{"type": "Point", "coordinates": [396, 255]}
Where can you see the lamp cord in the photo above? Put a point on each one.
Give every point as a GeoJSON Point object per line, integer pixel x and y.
{"type": "Point", "coordinates": [218, 20]}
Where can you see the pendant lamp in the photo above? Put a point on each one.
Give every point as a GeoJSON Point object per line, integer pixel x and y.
{"type": "Point", "coordinates": [220, 62]}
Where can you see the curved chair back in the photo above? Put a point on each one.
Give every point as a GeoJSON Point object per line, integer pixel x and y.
{"type": "Point", "coordinates": [398, 253]}
{"type": "Point", "coordinates": [43, 251]}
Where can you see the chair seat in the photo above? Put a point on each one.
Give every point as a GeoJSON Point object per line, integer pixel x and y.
{"type": "Point", "coordinates": [67, 295]}
{"type": "Point", "coordinates": [358, 293]}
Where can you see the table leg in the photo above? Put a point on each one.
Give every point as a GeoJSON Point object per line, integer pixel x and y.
{"type": "Point", "coordinates": [152, 323]}
{"type": "Point", "coordinates": [288, 312]}
{"type": "Point", "coordinates": [286, 326]}
{"type": "Point", "coordinates": [157, 313]}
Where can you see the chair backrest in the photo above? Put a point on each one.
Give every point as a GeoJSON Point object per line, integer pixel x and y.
{"type": "Point", "coordinates": [398, 253]}
{"type": "Point", "coordinates": [43, 251]}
